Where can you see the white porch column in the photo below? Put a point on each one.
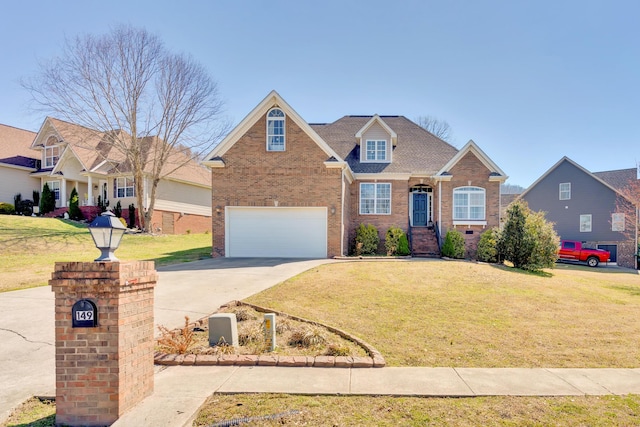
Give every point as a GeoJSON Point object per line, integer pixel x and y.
{"type": "Point", "coordinates": [63, 193]}
{"type": "Point", "coordinates": [90, 191]}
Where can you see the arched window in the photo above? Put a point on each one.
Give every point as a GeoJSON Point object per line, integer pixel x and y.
{"type": "Point", "coordinates": [275, 130]}
{"type": "Point", "coordinates": [469, 204]}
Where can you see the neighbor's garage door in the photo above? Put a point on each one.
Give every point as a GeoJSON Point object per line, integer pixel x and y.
{"type": "Point", "coordinates": [276, 232]}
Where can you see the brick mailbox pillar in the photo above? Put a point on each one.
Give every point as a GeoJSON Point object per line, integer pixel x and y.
{"type": "Point", "coordinates": [104, 339]}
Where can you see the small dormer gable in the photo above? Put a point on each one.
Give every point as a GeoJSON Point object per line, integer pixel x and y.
{"type": "Point", "coordinates": [49, 142]}
{"type": "Point", "coordinates": [376, 140]}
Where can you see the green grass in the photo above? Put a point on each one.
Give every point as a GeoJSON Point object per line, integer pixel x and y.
{"type": "Point", "coordinates": [29, 248]}
{"type": "Point", "coordinates": [33, 413]}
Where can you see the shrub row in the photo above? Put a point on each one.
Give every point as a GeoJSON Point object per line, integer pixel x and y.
{"type": "Point", "coordinates": [367, 241]}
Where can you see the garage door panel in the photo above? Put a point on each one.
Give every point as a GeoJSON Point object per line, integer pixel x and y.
{"type": "Point", "coordinates": [276, 232]}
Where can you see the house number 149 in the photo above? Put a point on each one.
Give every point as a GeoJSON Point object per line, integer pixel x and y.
{"type": "Point", "coordinates": [84, 315]}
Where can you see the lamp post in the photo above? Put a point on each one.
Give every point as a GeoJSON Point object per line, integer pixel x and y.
{"type": "Point", "coordinates": [107, 232]}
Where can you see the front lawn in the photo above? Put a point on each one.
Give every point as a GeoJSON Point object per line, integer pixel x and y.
{"type": "Point", "coordinates": [29, 248]}
{"type": "Point", "coordinates": [415, 411]}
{"type": "Point", "coordinates": [450, 313]}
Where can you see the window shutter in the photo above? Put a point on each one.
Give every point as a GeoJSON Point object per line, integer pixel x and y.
{"type": "Point", "coordinates": [115, 188]}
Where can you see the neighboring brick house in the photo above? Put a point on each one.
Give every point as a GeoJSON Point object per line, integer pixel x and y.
{"type": "Point", "coordinates": [284, 188]}
{"type": "Point", "coordinates": [584, 206]}
{"type": "Point", "coordinates": [17, 163]}
{"type": "Point", "coordinates": [72, 156]}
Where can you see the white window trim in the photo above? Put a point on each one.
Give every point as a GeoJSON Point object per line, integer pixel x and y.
{"type": "Point", "coordinates": [387, 153]}
{"type": "Point", "coordinates": [468, 220]}
{"type": "Point", "coordinates": [125, 187]}
{"type": "Point", "coordinates": [284, 131]}
{"type": "Point", "coordinates": [585, 216]}
{"type": "Point", "coordinates": [375, 204]}
{"type": "Point", "coordinates": [560, 191]}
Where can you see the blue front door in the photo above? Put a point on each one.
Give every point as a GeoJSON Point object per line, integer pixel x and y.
{"type": "Point", "coordinates": [420, 209]}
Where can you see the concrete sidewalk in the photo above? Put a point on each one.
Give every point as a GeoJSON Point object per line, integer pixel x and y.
{"type": "Point", "coordinates": [181, 390]}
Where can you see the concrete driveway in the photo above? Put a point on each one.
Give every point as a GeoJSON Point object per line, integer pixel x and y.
{"type": "Point", "coordinates": [196, 289]}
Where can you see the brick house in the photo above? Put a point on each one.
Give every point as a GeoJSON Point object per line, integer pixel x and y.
{"type": "Point", "coordinates": [586, 207]}
{"type": "Point", "coordinates": [72, 156]}
{"type": "Point", "coordinates": [282, 187]}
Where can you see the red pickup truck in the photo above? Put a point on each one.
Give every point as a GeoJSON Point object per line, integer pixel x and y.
{"type": "Point", "coordinates": [573, 251]}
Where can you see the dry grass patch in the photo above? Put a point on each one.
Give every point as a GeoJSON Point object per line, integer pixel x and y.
{"type": "Point", "coordinates": [443, 313]}
{"type": "Point", "coordinates": [414, 411]}
{"type": "Point", "coordinates": [293, 338]}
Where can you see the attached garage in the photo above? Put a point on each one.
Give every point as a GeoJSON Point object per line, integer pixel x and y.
{"type": "Point", "coordinates": [276, 232]}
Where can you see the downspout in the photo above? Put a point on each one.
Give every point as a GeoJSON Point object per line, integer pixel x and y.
{"type": "Point", "coordinates": [342, 215]}
{"type": "Point", "coordinates": [439, 208]}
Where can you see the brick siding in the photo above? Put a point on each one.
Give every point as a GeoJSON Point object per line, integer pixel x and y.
{"type": "Point", "coordinates": [399, 216]}
{"type": "Point", "coordinates": [296, 177]}
{"type": "Point", "coordinates": [102, 372]}
{"type": "Point", "coordinates": [470, 171]}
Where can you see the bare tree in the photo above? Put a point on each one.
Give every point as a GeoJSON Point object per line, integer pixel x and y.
{"type": "Point", "coordinates": [628, 203]}
{"type": "Point", "coordinates": [439, 128]}
{"type": "Point", "coordinates": [161, 110]}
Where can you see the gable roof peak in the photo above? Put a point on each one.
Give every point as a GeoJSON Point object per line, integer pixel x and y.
{"type": "Point", "coordinates": [273, 99]}
{"type": "Point", "coordinates": [593, 175]}
{"type": "Point", "coordinates": [472, 147]}
{"type": "Point", "coordinates": [377, 119]}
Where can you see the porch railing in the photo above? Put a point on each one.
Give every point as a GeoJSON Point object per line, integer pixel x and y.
{"type": "Point", "coordinates": [438, 237]}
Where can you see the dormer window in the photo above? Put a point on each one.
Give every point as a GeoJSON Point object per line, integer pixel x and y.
{"type": "Point", "coordinates": [376, 150]}
{"type": "Point", "coordinates": [51, 152]}
{"type": "Point", "coordinates": [376, 140]}
{"type": "Point", "coordinates": [275, 130]}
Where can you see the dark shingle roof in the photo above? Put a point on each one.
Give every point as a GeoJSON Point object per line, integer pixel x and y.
{"type": "Point", "coordinates": [23, 161]}
{"type": "Point", "coordinates": [417, 151]}
{"type": "Point", "coordinates": [618, 179]}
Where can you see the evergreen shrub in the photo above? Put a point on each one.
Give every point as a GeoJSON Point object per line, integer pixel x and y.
{"type": "Point", "coordinates": [488, 246]}
{"type": "Point", "coordinates": [367, 240]}
{"type": "Point", "coordinates": [393, 242]}
{"type": "Point", "coordinates": [453, 246]}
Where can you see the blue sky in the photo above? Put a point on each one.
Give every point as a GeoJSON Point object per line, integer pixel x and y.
{"type": "Point", "coordinates": [528, 81]}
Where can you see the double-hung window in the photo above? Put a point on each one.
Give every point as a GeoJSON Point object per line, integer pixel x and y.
{"type": "Point", "coordinates": [565, 191]}
{"type": "Point", "coordinates": [585, 223]}
{"type": "Point", "coordinates": [617, 222]}
{"type": "Point", "coordinates": [125, 187]}
{"type": "Point", "coordinates": [376, 150]}
{"type": "Point", "coordinates": [51, 153]}
{"type": "Point", "coordinates": [375, 199]}
{"type": "Point", "coordinates": [275, 130]}
{"type": "Point", "coordinates": [469, 204]}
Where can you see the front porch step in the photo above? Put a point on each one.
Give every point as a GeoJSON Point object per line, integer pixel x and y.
{"type": "Point", "coordinates": [424, 243]}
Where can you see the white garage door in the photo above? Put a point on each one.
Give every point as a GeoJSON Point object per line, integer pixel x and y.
{"type": "Point", "coordinates": [276, 232]}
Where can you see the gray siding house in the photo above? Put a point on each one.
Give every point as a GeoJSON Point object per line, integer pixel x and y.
{"type": "Point", "coordinates": [585, 207]}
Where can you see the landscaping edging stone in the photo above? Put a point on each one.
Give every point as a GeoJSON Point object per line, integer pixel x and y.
{"type": "Point", "coordinates": [375, 359]}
